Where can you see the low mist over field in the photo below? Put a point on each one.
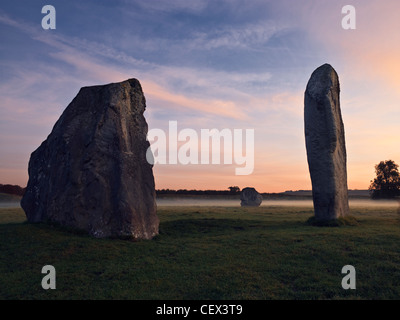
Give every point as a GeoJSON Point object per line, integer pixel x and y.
{"type": "Point", "coordinates": [11, 201]}
{"type": "Point", "coordinates": [266, 203]}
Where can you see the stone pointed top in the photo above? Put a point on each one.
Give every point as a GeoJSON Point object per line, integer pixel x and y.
{"type": "Point", "coordinates": [322, 80]}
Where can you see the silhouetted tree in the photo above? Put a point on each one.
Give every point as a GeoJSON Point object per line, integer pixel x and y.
{"type": "Point", "coordinates": [234, 189]}
{"type": "Point", "coordinates": [387, 182]}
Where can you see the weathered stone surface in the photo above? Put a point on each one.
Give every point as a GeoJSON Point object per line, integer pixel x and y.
{"type": "Point", "coordinates": [91, 172]}
{"type": "Point", "coordinates": [250, 198]}
{"type": "Point", "coordinates": [325, 143]}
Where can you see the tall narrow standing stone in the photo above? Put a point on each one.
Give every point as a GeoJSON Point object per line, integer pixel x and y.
{"type": "Point", "coordinates": [91, 172]}
{"type": "Point", "coordinates": [325, 143]}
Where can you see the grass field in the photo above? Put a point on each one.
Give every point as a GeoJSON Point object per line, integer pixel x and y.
{"type": "Point", "coordinates": [208, 253]}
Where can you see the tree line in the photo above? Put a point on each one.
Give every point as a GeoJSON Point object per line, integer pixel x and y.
{"type": "Point", "coordinates": [386, 185]}
{"type": "Point", "coordinates": [12, 189]}
{"type": "Point", "coordinates": [230, 191]}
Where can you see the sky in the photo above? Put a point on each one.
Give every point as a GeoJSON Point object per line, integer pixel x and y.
{"type": "Point", "coordinates": [207, 64]}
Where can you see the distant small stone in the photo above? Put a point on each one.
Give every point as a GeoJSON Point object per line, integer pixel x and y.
{"type": "Point", "coordinates": [250, 198]}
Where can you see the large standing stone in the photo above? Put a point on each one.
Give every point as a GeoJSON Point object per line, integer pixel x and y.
{"type": "Point", "coordinates": [326, 150]}
{"type": "Point", "coordinates": [250, 198]}
{"type": "Point", "coordinates": [91, 173]}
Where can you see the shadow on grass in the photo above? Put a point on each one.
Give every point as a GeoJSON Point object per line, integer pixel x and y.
{"type": "Point", "coordinates": [190, 227]}
{"type": "Point", "coordinates": [175, 228]}
{"type": "Point", "coordinates": [210, 226]}
{"type": "Point", "coordinates": [342, 221]}
{"type": "Point", "coordinates": [183, 228]}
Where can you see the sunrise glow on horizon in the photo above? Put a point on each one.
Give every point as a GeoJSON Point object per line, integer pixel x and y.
{"type": "Point", "coordinates": [208, 64]}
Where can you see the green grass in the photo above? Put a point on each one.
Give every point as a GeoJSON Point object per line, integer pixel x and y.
{"type": "Point", "coordinates": [208, 253]}
{"type": "Point", "coordinates": [342, 221]}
